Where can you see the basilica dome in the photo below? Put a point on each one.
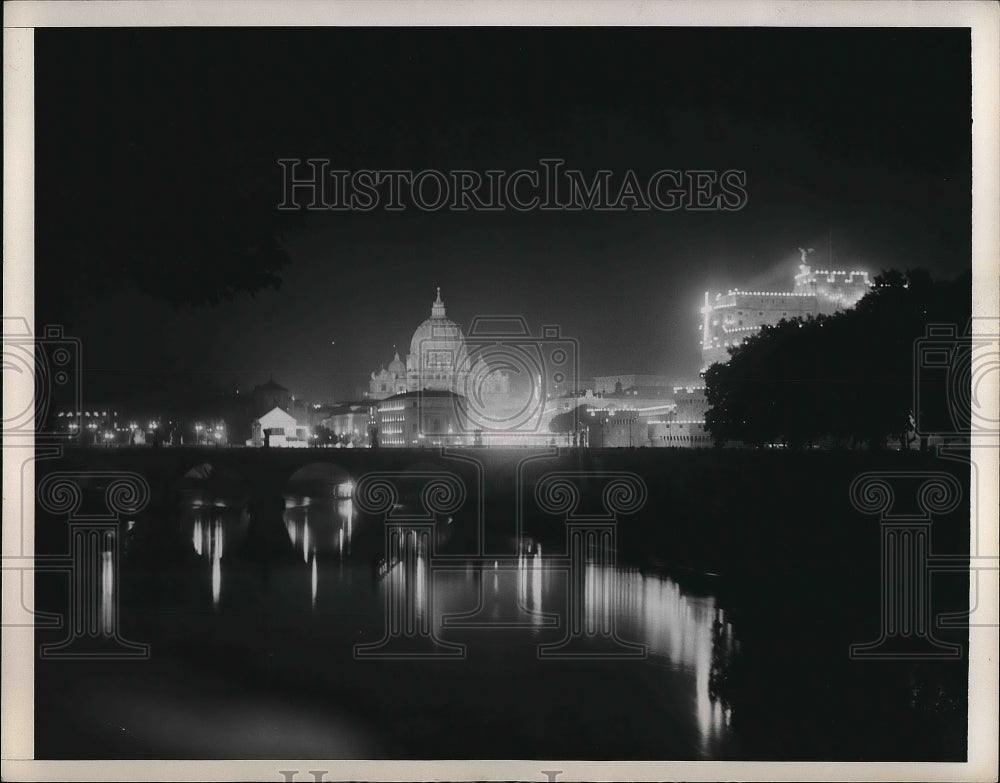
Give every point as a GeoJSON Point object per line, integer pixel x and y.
{"type": "Point", "coordinates": [437, 349]}
{"type": "Point", "coordinates": [396, 367]}
{"type": "Point", "coordinates": [437, 332]}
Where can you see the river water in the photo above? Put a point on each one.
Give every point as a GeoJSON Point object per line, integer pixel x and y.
{"type": "Point", "coordinates": [342, 649]}
{"type": "Point", "coordinates": [328, 634]}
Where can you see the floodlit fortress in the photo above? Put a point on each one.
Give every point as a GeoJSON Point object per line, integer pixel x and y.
{"type": "Point", "coordinates": [728, 319]}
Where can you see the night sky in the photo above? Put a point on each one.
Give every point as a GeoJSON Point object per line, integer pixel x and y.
{"type": "Point", "coordinates": [155, 145]}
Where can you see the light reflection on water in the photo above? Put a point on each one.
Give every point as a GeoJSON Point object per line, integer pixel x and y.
{"type": "Point", "coordinates": [107, 594]}
{"type": "Point", "coordinates": [315, 527]}
{"type": "Point", "coordinates": [313, 581]}
{"type": "Point", "coordinates": [322, 527]}
{"type": "Point", "coordinates": [208, 539]}
{"type": "Point", "coordinates": [688, 638]}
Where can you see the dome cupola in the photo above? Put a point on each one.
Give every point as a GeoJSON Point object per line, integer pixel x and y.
{"type": "Point", "coordinates": [396, 366]}
{"type": "Point", "coordinates": [436, 350]}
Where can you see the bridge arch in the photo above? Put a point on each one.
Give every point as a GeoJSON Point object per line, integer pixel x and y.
{"type": "Point", "coordinates": [320, 514]}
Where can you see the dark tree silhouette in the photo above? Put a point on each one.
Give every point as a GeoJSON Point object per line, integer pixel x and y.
{"type": "Point", "coordinates": [848, 379]}
{"type": "Point", "coordinates": [568, 421]}
{"type": "Point", "coordinates": [162, 179]}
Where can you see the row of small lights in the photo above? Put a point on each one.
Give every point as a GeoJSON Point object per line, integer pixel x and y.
{"type": "Point", "coordinates": [133, 426]}
{"type": "Point", "coordinates": [734, 291]}
{"type": "Point", "coordinates": [716, 342]}
{"type": "Point", "coordinates": [630, 412]}
{"type": "Point", "coordinates": [852, 273]}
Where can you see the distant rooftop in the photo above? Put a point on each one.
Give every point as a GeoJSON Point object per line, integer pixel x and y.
{"type": "Point", "coordinates": [270, 386]}
{"type": "Point", "coordinates": [424, 393]}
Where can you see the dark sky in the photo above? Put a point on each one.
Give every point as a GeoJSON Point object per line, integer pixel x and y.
{"type": "Point", "coordinates": [142, 135]}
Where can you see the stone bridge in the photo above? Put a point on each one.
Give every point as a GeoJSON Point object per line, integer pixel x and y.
{"type": "Point", "coordinates": [263, 472]}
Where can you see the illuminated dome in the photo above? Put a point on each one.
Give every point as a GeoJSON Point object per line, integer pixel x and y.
{"type": "Point", "coordinates": [396, 366]}
{"type": "Point", "coordinates": [436, 350]}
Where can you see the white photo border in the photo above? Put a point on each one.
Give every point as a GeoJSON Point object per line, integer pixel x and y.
{"type": "Point", "coordinates": [21, 17]}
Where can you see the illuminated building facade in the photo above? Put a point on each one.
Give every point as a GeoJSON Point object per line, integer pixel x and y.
{"type": "Point", "coordinates": [430, 417]}
{"type": "Point", "coordinates": [649, 385]}
{"type": "Point", "coordinates": [607, 429]}
{"type": "Point", "coordinates": [104, 426]}
{"type": "Point", "coordinates": [351, 422]}
{"type": "Point", "coordinates": [620, 429]}
{"type": "Point", "coordinates": [278, 429]}
{"type": "Point", "coordinates": [839, 290]}
{"type": "Point", "coordinates": [728, 319]}
{"type": "Point", "coordinates": [680, 434]}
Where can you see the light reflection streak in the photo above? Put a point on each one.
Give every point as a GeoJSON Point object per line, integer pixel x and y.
{"type": "Point", "coordinates": [217, 537]}
{"type": "Point", "coordinates": [653, 610]}
{"type": "Point", "coordinates": [209, 542]}
{"type": "Point", "coordinates": [216, 581]}
{"type": "Point", "coordinates": [703, 663]}
{"type": "Point", "coordinates": [522, 580]}
{"type": "Point", "coordinates": [196, 535]}
{"type": "Point", "coordinates": [420, 577]}
{"type": "Point", "coordinates": [345, 510]}
{"type": "Point", "coordinates": [314, 580]}
{"type": "Point", "coordinates": [536, 587]}
{"type": "Point", "coordinates": [107, 594]}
